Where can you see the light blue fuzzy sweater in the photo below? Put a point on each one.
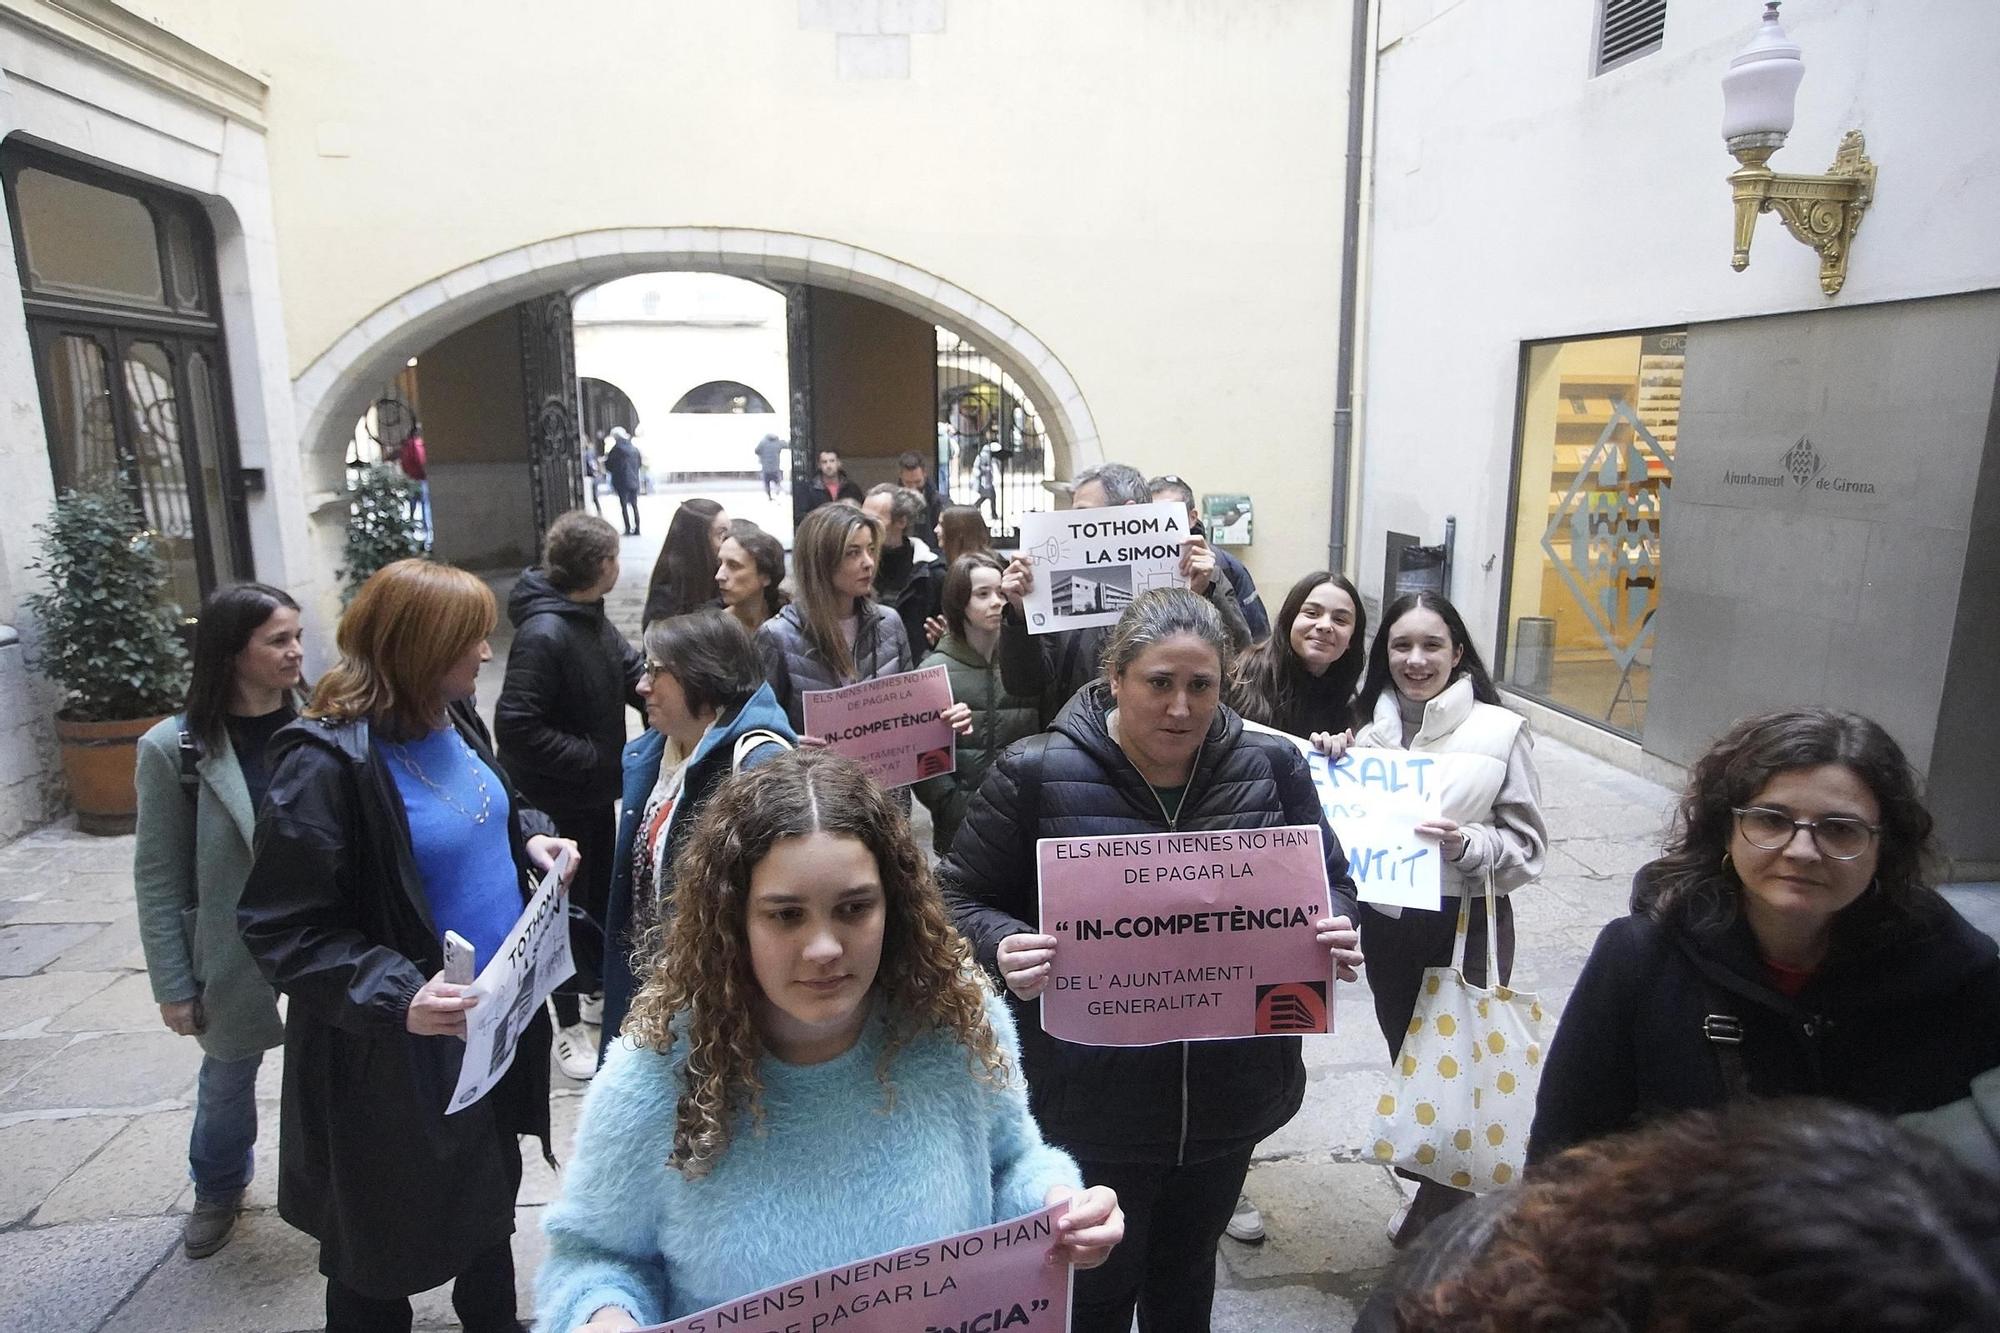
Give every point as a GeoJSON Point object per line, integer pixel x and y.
{"type": "Point", "coordinates": [832, 1178]}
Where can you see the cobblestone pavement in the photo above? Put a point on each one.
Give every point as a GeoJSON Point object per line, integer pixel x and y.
{"type": "Point", "coordinates": [96, 1099]}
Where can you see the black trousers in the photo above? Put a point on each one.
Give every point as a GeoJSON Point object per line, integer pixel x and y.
{"type": "Point", "coordinates": [594, 829]}
{"type": "Point", "coordinates": [1398, 949]}
{"type": "Point", "coordinates": [1174, 1216]}
{"type": "Point", "coordinates": [628, 512]}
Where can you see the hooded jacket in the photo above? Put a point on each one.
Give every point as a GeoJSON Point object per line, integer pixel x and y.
{"type": "Point", "coordinates": [1177, 1102]}
{"type": "Point", "coordinates": [998, 720]}
{"type": "Point", "coordinates": [561, 716]}
{"type": "Point", "coordinates": [1893, 1021]}
{"type": "Point", "coordinates": [793, 666]}
{"type": "Point", "coordinates": [710, 763]}
{"type": "Point", "coordinates": [401, 1196]}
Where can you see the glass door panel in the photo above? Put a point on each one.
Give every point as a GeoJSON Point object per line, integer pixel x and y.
{"type": "Point", "coordinates": [154, 416]}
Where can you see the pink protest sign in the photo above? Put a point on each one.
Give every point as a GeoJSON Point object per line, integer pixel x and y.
{"type": "Point", "coordinates": [890, 725]}
{"type": "Point", "coordinates": [985, 1281]}
{"type": "Point", "coordinates": [1186, 936]}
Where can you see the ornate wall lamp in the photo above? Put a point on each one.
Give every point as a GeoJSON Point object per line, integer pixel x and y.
{"type": "Point", "coordinates": [1822, 211]}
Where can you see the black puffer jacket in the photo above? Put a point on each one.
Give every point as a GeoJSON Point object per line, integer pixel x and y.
{"type": "Point", "coordinates": [561, 716]}
{"type": "Point", "coordinates": [1184, 1101]}
{"type": "Point", "coordinates": [400, 1195]}
{"type": "Point", "coordinates": [1894, 1025]}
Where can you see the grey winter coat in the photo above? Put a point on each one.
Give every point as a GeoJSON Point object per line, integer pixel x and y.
{"type": "Point", "coordinates": [793, 666]}
{"type": "Point", "coordinates": [189, 862]}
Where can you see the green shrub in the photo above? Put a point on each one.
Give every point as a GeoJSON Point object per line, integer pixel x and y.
{"type": "Point", "coordinates": [380, 530]}
{"type": "Point", "coordinates": [110, 636]}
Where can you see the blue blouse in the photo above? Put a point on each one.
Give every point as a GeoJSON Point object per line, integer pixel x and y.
{"type": "Point", "coordinates": [470, 880]}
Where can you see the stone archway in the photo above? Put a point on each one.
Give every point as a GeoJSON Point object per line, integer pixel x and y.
{"type": "Point", "coordinates": [337, 386]}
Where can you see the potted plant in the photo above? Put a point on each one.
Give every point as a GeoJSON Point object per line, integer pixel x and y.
{"type": "Point", "coordinates": [109, 639]}
{"type": "Point", "coordinates": [380, 529]}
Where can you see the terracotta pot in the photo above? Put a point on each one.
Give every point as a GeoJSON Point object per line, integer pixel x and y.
{"type": "Point", "coordinates": [99, 759]}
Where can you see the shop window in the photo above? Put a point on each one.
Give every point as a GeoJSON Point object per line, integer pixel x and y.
{"type": "Point", "coordinates": [118, 282]}
{"type": "Point", "coordinates": [1598, 425]}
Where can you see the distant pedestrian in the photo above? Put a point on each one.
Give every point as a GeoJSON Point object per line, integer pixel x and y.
{"type": "Point", "coordinates": [389, 822]}
{"type": "Point", "coordinates": [827, 484]}
{"type": "Point", "coordinates": [593, 476]}
{"type": "Point", "coordinates": [201, 776]}
{"type": "Point", "coordinates": [625, 466]}
{"type": "Point", "coordinates": [415, 463]}
{"type": "Point", "coordinates": [560, 722]}
{"type": "Point", "coordinates": [770, 452]}
{"type": "Point", "coordinates": [683, 577]}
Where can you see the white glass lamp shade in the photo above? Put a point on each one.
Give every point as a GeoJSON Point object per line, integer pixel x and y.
{"type": "Point", "coordinates": [1762, 82]}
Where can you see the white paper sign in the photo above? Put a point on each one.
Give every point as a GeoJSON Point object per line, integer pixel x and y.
{"type": "Point", "coordinates": [533, 960]}
{"type": "Point", "coordinates": [1091, 563]}
{"type": "Point", "coordinates": [1374, 799]}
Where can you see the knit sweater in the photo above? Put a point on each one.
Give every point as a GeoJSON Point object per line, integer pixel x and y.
{"type": "Point", "coordinates": [837, 1173]}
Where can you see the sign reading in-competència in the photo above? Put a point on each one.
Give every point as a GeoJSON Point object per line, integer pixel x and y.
{"type": "Point", "coordinates": [893, 726]}
{"type": "Point", "coordinates": [1186, 936]}
{"type": "Point", "coordinates": [1091, 563]}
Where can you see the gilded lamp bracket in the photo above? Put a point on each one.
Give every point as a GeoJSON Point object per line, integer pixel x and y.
{"type": "Point", "coordinates": [1822, 211]}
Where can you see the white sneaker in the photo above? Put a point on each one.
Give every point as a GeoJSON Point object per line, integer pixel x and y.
{"type": "Point", "coordinates": [1246, 1223]}
{"type": "Point", "coordinates": [590, 1009]}
{"type": "Point", "coordinates": [576, 1051]}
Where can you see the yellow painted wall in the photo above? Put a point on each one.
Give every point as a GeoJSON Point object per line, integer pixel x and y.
{"type": "Point", "coordinates": [1152, 189]}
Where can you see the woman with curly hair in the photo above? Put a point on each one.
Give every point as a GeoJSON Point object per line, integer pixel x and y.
{"type": "Point", "coordinates": [1783, 1217]}
{"type": "Point", "coordinates": [811, 1074]}
{"type": "Point", "coordinates": [1788, 943]}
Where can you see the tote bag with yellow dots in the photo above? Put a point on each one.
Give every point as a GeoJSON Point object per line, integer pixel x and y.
{"type": "Point", "coordinates": [1462, 1093]}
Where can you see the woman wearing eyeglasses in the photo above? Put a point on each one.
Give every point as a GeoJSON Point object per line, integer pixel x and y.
{"type": "Point", "coordinates": [1789, 942]}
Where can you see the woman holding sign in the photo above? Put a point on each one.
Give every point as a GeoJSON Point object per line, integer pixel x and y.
{"type": "Point", "coordinates": [389, 822]}
{"type": "Point", "coordinates": [811, 1075]}
{"type": "Point", "coordinates": [1428, 690]}
{"type": "Point", "coordinates": [834, 633]}
{"type": "Point", "coordinates": [1148, 748]}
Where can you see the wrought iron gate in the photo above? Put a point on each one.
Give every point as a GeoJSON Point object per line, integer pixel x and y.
{"type": "Point", "coordinates": [990, 442]}
{"type": "Point", "coordinates": [548, 384]}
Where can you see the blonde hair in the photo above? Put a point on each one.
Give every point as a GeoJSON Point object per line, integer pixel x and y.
{"type": "Point", "coordinates": [397, 639]}
{"type": "Point", "coordinates": [818, 546]}
{"type": "Point", "coordinates": [695, 963]}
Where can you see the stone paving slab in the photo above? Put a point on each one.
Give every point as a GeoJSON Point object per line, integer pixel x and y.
{"type": "Point", "coordinates": [72, 1277]}
{"type": "Point", "coordinates": [26, 950]}
{"type": "Point", "coordinates": [126, 1005]}
{"type": "Point", "coordinates": [140, 1172]}
{"type": "Point", "coordinates": [266, 1280]}
{"type": "Point", "coordinates": [123, 1070]}
{"type": "Point", "coordinates": [28, 1004]}
{"type": "Point", "coordinates": [39, 1154]}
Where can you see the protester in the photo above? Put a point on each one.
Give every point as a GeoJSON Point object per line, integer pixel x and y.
{"type": "Point", "coordinates": [1148, 748]}
{"type": "Point", "coordinates": [811, 1074]}
{"type": "Point", "coordinates": [961, 530]}
{"type": "Point", "coordinates": [1301, 679]}
{"type": "Point", "coordinates": [770, 450]}
{"type": "Point", "coordinates": [624, 464]}
{"type": "Point", "coordinates": [709, 714]}
{"type": "Point", "coordinates": [389, 822]}
{"type": "Point", "coordinates": [1774, 1217]}
{"type": "Point", "coordinates": [1052, 667]}
{"type": "Point", "coordinates": [683, 577]}
{"type": "Point", "coordinates": [560, 722]}
{"type": "Point", "coordinates": [1427, 689]}
{"type": "Point", "coordinates": [1172, 488]}
{"type": "Point", "coordinates": [913, 472]}
{"type": "Point", "coordinates": [827, 485]}
{"type": "Point", "coordinates": [200, 777]}
{"type": "Point", "coordinates": [834, 633]}
{"type": "Point", "coordinates": [1789, 942]}
{"type": "Point", "coordinates": [750, 574]}
{"type": "Point", "coordinates": [907, 577]}
{"type": "Point", "coordinates": [973, 606]}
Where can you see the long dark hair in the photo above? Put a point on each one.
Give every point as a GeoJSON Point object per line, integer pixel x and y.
{"type": "Point", "coordinates": [1273, 687]}
{"type": "Point", "coordinates": [1692, 883]}
{"type": "Point", "coordinates": [229, 616]}
{"type": "Point", "coordinates": [1470, 664]}
{"type": "Point", "coordinates": [958, 586]}
{"type": "Point", "coordinates": [683, 577]}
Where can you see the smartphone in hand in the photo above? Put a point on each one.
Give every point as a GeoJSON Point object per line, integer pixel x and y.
{"type": "Point", "coordinates": [458, 959]}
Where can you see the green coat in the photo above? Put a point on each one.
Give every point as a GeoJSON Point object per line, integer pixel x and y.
{"type": "Point", "coordinates": [998, 720]}
{"type": "Point", "coordinates": [188, 867]}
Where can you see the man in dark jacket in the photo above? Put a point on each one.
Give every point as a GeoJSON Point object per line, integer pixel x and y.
{"type": "Point", "coordinates": [561, 725]}
{"type": "Point", "coordinates": [1052, 667]}
{"type": "Point", "coordinates": [1172, 488]}
{"type": "Point", "coordinates": [623, 464]}
{"type": "Point", "coordinates": [827, 484]}
{"type": "Point", "coordinates": [911, 472]}
{"type": "Point", "coordinates": [907, 579]}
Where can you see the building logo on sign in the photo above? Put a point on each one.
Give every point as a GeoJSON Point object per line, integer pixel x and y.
{"type": "Point", "coordinates": [1802, 462]}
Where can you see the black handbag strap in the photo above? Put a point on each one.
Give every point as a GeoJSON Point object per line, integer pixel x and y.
{"type": "Point", "coordinates": [1724, 1030]}
{"type": "Point", "coordinates": [190, 753]}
